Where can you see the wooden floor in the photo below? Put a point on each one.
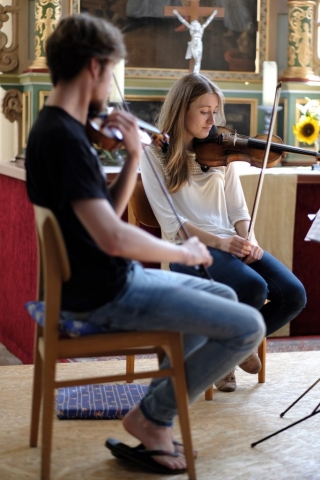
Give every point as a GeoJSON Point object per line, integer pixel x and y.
{"type": "Point", "coordinates": [223, 429]}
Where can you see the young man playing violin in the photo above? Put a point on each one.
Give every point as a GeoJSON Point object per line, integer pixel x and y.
{"type": "Point", "coordinates": [211, 205]}
{"type": "Point", "coordinates": [108, 285]}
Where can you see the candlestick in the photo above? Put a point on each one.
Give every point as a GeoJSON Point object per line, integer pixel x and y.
{"type": "Point", "coordinates": [117, 95]}
{"type": "Point", "coordinates": [269, 83]}
{"type": "Point", "coordinates": [267, 116]}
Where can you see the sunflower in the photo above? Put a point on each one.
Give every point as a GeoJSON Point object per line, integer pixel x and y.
{"type": "Point", "coordinates": [307, 130]}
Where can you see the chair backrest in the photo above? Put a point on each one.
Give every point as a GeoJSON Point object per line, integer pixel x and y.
{"type": "Point", "coordinates": [141, 207]}
{"type": "Point", "coordinates": [54, 267]}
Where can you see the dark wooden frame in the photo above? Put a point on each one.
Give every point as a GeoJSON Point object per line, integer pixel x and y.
{"type": "Point", "coordinates": [177, 65]}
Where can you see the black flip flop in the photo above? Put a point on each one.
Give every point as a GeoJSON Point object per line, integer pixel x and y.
{"type": "Point", "coordinates": [142, 457]}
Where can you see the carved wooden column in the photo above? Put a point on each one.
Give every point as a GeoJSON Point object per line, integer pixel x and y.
{"type": "Point", "coordinates": [300, 41]}
{"type": "Point", "coordinates": [12, 110]}
{"type": "Point", "coordinates": [9, 53]}
{"type": "Point", "coordinates": [47, 15]}
{"type": "Point", "coordinates": [9, 62]}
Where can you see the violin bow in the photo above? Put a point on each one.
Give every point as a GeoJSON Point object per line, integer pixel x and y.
{"type": "Point", "coordinates": [201, 268]}
{"type": "Point", "coordinates": [264, 162]}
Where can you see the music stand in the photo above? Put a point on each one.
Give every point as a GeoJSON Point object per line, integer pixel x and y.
{"type": "Point", "coordinates": [312, 235]}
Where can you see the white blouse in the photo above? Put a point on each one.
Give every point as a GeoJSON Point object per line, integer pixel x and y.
{"type": "Point", "coordinates": [213, 201]}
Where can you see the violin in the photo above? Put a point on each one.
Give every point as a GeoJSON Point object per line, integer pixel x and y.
{"type": "Point", "coordinates": [110, 139]}
{"type": "Point", "coordinates": [223, 146]}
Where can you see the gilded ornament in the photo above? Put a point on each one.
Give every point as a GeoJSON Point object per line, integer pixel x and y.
{"type": "Point", "coordinates": [8, 55]}
{"type": "Point", "coordinates": [12, 105]}
{"type": "Point", "coordinates": [4, 17]}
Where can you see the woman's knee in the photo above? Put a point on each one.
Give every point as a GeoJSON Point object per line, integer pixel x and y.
{"type": "Point", "coordinates": [297, 296]}
{"type": "Point", "coordinates": [254, 293]}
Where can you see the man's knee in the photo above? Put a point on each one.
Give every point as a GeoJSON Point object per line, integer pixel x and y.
{"type": "Point", "coordinates": [252, 325]}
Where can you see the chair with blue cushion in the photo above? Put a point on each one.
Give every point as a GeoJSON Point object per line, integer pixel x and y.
{"type": "Point", "coordinates": [51, 345]}
{"type": "Point", "coordinates": [141, 213]}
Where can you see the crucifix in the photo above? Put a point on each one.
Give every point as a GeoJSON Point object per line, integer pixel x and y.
{"type": "Point", "coordinates": [194, 11]}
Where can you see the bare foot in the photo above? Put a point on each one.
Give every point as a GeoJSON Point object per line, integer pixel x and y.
{"type": "Point", "coordinates": [153, 437]}
{"type": "Point", "coordinates": [180, 447]}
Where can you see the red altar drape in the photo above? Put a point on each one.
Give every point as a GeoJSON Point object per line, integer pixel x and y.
{"type": "Point", "coordinates": [18, 268]}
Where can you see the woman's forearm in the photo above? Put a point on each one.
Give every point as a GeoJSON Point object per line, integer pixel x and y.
{"type": "Point", "coordinates": [207, 238]}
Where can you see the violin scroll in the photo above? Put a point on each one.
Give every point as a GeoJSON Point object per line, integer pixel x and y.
{"type": "Point", "coordinates": [161, 140]}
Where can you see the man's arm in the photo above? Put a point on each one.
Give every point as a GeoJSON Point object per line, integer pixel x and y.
{"type": "Point", "coordinates": [118, 238]}
{"type": "Point", "coordinates": [122, 188]}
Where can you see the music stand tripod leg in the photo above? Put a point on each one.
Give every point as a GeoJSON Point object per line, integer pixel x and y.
{"type": "Point", "coordinates": [314, 412]}
{"type": "Point", "coordinates": [296, 401]}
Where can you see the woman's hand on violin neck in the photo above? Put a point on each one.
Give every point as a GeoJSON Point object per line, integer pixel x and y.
{"type": "Point", "coordinates": [128, 126]}
{"type": "Point", "coordinates": [196, 253]}
{"type": "Point", "coordinates": [235, 245]}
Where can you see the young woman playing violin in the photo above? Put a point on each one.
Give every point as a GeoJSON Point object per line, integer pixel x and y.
{"type": "Point", "coordinates": [211, 205]}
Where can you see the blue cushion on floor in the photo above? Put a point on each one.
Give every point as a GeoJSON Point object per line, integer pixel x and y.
{"type": "Point", "coordinates": [72, 328]}
{"type": "Point", "coordinates": [98, 402]}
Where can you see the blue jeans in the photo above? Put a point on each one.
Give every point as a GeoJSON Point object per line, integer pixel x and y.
{"type": "Point", "coordinates": [218, 332]}
{"type": "Point", "coordinates": [265, 279]}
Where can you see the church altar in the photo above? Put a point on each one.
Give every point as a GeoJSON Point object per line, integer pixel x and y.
{"type": "Point", "coordinates": [289, 194]}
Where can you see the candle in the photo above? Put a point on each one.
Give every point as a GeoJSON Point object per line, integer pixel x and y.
{"type": "Point", "coordinates": [117, 95]}
{"type": "Point", "coordinates": [269, 83]}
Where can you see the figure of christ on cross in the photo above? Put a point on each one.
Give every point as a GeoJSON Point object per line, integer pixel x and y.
{"type": "Point", "coordinates": [194, 11]}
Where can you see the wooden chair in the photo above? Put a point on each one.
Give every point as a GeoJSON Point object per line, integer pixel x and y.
{"type": "Point", "coordinates": [141, 213]}
{"type": "Point", "coordinates": [51, 346]}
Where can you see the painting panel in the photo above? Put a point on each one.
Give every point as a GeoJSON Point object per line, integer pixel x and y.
{"type": "Point", "coordinates": [157, 43]}
{"type": "Point", "coordinates": [241, 115]}
{"type": "Point", "coordinates": [146, 108]}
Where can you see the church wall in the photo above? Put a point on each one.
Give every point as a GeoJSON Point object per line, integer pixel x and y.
{"type": "Point", "coordinates": [153, 89]}
{"type": "Point", "coordinates": [277, 39]}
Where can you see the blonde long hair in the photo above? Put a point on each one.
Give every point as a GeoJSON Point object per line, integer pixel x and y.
{"type": "Point", "coordinates": [171, 120]}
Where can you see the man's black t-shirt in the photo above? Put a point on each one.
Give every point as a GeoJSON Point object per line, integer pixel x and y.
{"type": "Point", "coordinates": [62, 166]}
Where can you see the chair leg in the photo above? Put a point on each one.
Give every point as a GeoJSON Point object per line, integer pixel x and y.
{"type": "Point", "coordinates": [182, 401]}
{"type": "Point", "coordinates": [262, 351]}
{"type": "Point", "coordinates": [129, 367]}
{"type": "Point", "coordinates": [36, 392]}
{"type": "Point", "coordinates": [208, 395]}
{"type": "Point", "coordinates": [47, 415]}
